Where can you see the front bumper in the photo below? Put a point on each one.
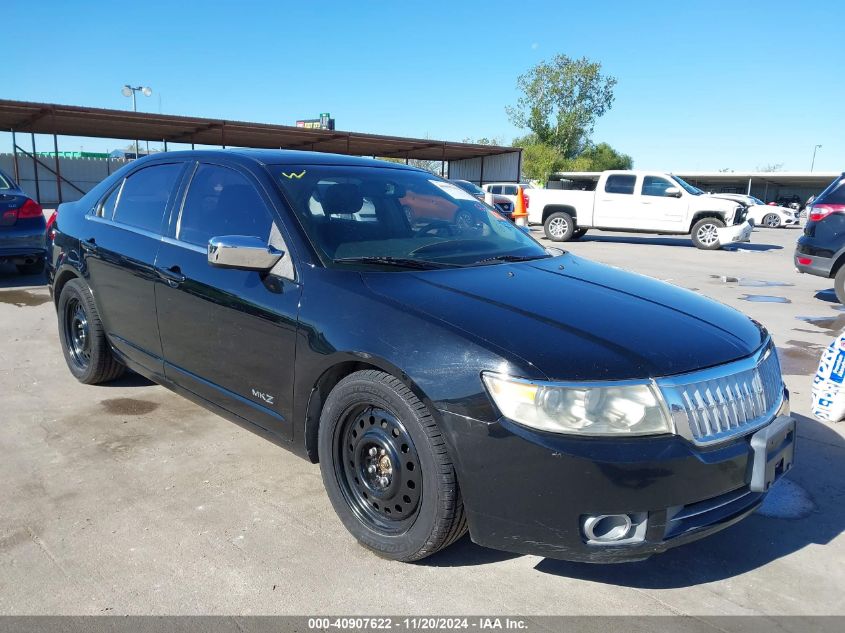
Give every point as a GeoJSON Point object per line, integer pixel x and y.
{"type": "Point", "coordinates": [528, 492]}
{"type": "Point", "coordinates": [736, 233]}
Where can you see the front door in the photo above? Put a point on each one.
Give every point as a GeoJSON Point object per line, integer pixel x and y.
{"type": "Point", "coordinates": [228, 335]}
{"type": "Point", "coordinates": [661, 212]}
{"type": "Point", "coordinates": [119, 245]}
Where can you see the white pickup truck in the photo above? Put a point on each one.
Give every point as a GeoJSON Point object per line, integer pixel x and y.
{"type": "Point", "coordinates": [639, 201]}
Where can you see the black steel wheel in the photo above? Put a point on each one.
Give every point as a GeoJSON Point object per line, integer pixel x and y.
{"type": "Point", "coordinates": [386, 468]}
{"type": "Point", "coordinates": [379, 469]}
{"type": "Point", "coordinates": [84, 343]}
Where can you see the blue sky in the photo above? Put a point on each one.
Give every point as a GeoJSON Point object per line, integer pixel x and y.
{"type": "Point", "coordinates": [707, 86]}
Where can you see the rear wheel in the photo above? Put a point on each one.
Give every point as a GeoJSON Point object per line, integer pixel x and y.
{"type": "Point", "coordinates": [386, 469]}
{"type": "Point", "coordinates": [705, 233]}
{"type": "Point", "coordinates": [839, 284]}
{"type": "Point", "coordinates": [31, 269]}
{"type": "Point", "coordinates": [83, 338]}
{"type": "Point", "coordinates": [772, 220]}
{"type": "Point", "coordinates": [559, 227]}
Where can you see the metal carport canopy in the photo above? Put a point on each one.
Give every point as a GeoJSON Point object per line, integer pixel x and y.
{"type": "Point", "coordinates": [66, 120]}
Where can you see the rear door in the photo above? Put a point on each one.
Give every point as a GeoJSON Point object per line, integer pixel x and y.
{"type": "Point", "coordinates": [229, 335]}
{"type": "Point", "coordinates": [119, 246]}
{"type": "Point", "coordinates": [615, 206]}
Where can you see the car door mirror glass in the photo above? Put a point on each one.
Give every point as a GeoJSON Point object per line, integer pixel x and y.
{"type": "Point", "coordinates": [672, 192]}
{"type": "Point", "coordinates": [242, 251]}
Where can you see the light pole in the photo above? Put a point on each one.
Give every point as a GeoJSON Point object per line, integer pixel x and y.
{"type": "Point", "coordinates": [129, 91]}
{"type": "Point", "coordinates": [813, 164]}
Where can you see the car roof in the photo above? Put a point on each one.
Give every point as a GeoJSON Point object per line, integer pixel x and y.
{"type": "Point", "coordinates": [279, 157]}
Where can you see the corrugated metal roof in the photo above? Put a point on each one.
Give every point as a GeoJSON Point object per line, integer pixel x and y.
{"type": "Point", "coordinates": [66, 120]}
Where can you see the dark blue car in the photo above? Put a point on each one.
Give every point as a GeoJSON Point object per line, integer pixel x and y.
{"type": "Point", "coordinates": [22, 228]}
{"type": "Point", "coordinates": [447, 371]}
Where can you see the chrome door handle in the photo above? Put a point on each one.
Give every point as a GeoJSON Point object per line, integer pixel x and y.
{"type": "Point", "coordinates": [173, 275]}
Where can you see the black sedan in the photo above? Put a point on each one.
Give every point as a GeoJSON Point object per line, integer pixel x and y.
{"type": "Point", "coordinates": [22, 228]}
{"type": "Point", "coordinates": [447, 371]}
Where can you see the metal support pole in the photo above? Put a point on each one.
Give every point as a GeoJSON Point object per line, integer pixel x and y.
{"type": "Point", "coordinates": [35, 171]}
{"type": "Point", "coordinates": [748, 193]}
{"type": "Point", "coordinates": [406, 159]}
{"type": "Point", "coordinates": [165, 145]}
{"type": "Point", "coordinates": [481, 175]}
{"type": "Point", "coordinates": [15, 154]}
{"type": "Point", "coordinates": [58, 168]}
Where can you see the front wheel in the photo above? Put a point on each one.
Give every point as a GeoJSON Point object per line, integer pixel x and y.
{"type": "Point", "coordinates": [772, 220]}
{"type": "Point", "coordinates": [386, 469]}
{"type": "Point", "coordinates": [705, 233]}
{"type": "Point", "coordinates": [559, 227]}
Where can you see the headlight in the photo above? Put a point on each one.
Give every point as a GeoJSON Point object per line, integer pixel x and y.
{"type": "Point", "coordinates": [589, 409]}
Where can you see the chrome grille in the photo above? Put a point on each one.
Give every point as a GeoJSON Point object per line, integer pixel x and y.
{"type": "Point", "coordinates": [725, 401]}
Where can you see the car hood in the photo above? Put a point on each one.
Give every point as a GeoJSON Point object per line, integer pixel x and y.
{"type": "Point", "coordinates": [573, 319]}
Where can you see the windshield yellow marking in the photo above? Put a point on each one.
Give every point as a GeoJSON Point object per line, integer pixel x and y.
{"type": "Point", "coordinates": [293, 174]}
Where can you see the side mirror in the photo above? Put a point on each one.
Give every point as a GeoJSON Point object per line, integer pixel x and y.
{"type": "Point", "coordinates": [672, 192]}
{"type": "Point", "coordinates": [242, 251]}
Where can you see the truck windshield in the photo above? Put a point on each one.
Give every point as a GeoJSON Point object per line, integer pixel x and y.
{"type": "Point", "coordinates": [688, 187]}
{"type": "Point", "coordinates": [397, 218]}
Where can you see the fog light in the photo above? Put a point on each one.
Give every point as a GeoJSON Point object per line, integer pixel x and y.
{"type": "Point", "coordinates": [805, 261]}
{"type": "Point", "coordinates": [606, 528]}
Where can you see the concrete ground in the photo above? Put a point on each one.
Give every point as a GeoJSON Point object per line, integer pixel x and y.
{"type": "Point", "coordinates": [127, 499]}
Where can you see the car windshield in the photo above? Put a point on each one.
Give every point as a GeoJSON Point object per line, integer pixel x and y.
{"type": "Point", "coordinates": [398, 218]}
{"type": "Point", "coordinates": [756, 201]}
{"type": "Point", "coordinates": [469, 187]}
{"type": "Point", "coordinates": [688, 187]}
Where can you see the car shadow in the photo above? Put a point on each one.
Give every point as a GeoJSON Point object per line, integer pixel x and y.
{"type": "Point", "coordinates": [828, 294]}
{"type": "Point", "coordinates": [11, 278]}
{"type": "Point", "coordinates": [129, 379]}
{"type": "Point", "coordinates": [465, 553]}
{"type": "Point", "coordinates": [753, 542]}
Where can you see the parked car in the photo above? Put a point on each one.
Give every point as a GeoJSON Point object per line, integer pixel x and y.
{"type": "Point", "coordinates": [614, 417]}
{"type": "Point", "coordinates": [792, 202]}
{"type": "Point", "coordinates": [22, 228]}
{"type": "Point", "coordinates": [502, 204]}
{"type": "Point", "coordinates": [821, 249]}
{"type": "Point", "coordinates": [762, 214]}
{"type": "Point", "coordinates": [641, 201]}
{"type": "Point", "coordinates": [507, 189]}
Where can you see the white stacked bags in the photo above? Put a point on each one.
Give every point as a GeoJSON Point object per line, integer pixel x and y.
{"type": "Point", "coordinates": [828, 388]}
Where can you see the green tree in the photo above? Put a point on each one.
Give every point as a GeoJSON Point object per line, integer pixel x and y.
{"type": "Point", "coordinates": [561, 101]}
{"type": "Point", "coordinates": [539, 160]}
{"type": "Point", "coordinates": [598, 158]}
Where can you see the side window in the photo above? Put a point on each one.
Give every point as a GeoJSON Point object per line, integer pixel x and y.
{"type": "Point", "coordinates": [221, 201]}
{"type": "Point", "coordinates": [106, 208]}
{"type": "Point", "coordinates": [497, 189]}
{"type": "Point", "coordinates": [620, 183]}
{"type": "Point", "coordinates": [144, 195]}
{"type": "Point", "coordinates": [655, 186]}
{"type": "Point", "coordinates": [510, 190]}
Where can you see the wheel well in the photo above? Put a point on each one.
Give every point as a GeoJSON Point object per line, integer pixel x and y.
{"type": "Point", "coordinates": [705, 214]}
{"type": "Point", "coordinates": [554, 208]}
{"type": "Point", "coordinates": [61, 279]}
{"type": "Point", "coordinates": [318, 396]}
{"type": "Point", "coordinates": [837, 265]}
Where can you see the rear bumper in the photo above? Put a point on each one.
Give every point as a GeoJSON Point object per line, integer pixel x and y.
{"type": "Point", "coordinates": [22, 243]}
{"type": "Point", "coordinates": [811, 259]}
{"type": "Point", "coordinates": [530, 492]}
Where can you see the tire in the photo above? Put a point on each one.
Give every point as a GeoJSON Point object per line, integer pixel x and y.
{"type": "Point", "coordinates": [577, 234]}
{"type": "Point", "coordinates": [31, 269]}
{"type": "Point", "coordinates": [83, 339]}
{"type": "Point", "coordinates": [771, 220]}
{"type": "Point", "coordinates": [559, 227]}
{"type": "Point", "coordinates": [704, 233]}
{"type": "Point", "coordinates": [839, 285]}
{"type": "Point", "coordinates": [464, 220]}
{"type": "Point", "coordinates": [405, 514]}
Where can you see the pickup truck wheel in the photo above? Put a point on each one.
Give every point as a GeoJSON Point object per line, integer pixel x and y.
{"type": "Point", "coordinates": [559, 227]}
{"type": "Point", "coordinates": [704, 233]}
{"type": "Point", "coordinates": [386, 468]}
{"type": "Point", "coordinates": [772, 220]}
{"type": "Point", "coordinates": [83, 338]}
{"type": "Point", "coordinates": [577, 234]}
